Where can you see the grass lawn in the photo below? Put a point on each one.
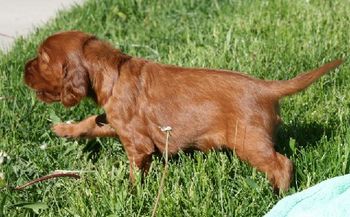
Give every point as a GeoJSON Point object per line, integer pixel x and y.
{"type": "Point", "coordinates": [267, 39]}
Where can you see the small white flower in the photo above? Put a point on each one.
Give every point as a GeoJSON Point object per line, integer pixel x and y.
{"type": "Point", "coordinates": [165, 128]}
{"type": "Point", "coordinates": [3, 157]}
{"type": "Point", "coordinates": [2, 176]}
{"type": "Point", "coordinates": [69, 121]}
{"type": "Point", "coordinates": [43, 146]}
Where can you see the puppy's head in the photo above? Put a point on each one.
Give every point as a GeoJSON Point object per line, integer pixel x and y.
{"type": "Point", "coordinates": [58, 72]}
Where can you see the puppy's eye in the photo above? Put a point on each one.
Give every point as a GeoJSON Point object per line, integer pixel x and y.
{"type": "Point", "coordinates": [40, 93]}
{"type": "Point", "coordinates": [43, 67]}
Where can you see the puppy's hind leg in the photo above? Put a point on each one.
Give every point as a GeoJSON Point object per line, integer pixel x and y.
{"type": "Point", "coordinates": [259, 151]}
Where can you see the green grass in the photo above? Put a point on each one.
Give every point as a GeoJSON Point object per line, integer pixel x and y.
{"type": "Point", "coordinates": [267, 39]}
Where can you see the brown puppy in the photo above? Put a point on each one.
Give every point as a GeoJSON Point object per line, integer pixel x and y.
{"type": "Point", "coordinates": [207, 109]}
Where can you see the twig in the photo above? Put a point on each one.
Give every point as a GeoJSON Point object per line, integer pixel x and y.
{"type": "Point", "coordinates": [165, 170]}
{"type": "Point", "coordinates": [50, 176]}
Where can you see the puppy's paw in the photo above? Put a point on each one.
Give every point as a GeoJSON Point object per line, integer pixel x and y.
{"type": "Point", "coordinates": [66, 130]}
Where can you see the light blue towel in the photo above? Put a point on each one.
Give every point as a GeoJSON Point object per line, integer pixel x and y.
{"type": "Point", "coordinates": [329, 198]}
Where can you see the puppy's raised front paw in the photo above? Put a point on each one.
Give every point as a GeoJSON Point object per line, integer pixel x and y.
{"type": "Point", "coordinates": [65, 130]}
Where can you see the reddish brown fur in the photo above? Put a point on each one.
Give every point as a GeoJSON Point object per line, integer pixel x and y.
{"type": "Point", "coordinates": [207, 109]}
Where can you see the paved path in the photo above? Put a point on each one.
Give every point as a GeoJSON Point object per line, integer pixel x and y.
{"type": "Point", "coordinates": [18, 17]}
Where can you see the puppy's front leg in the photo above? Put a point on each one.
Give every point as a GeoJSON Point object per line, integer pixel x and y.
{"type": "Point", "coordinates": [91, 127]}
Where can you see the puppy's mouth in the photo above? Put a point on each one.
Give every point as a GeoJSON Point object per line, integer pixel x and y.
{"type": "Point", "coordinates": [48, 97]}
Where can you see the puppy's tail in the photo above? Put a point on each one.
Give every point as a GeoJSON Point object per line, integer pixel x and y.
{"type": "Point", "coordinates": [302, 81]}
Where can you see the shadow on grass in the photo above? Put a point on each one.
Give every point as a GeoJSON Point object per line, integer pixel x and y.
{"type": "Point", "coordinates": [305, 135]}
{"type": "Point", "coordinates": [93, 149]}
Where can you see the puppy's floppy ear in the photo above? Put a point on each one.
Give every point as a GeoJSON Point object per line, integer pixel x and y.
{"type": "Point", "coordinates": [75, 81]}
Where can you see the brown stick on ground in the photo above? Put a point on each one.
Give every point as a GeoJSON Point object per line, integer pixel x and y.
{"type": "Point", "coordinates": [47, 177]}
